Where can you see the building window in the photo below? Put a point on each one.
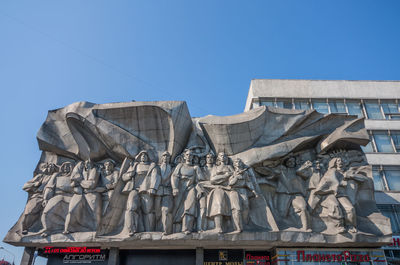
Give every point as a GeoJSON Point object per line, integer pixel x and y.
{"type": "Point", "coordinates": [392, 253]}
{"type": "Point", "coordinates": [337, 106]}
{"type": "Point", "coordinates": [392, 175]}
{"type": "Point", "coordinates": [354, 108]}
{"type": "Point", "coordinates": [368, 148]}
{"type": "Point", "coordinates": [392, 212]}
{"type": "Point", "coordinates": [383, 142]}
{"type": "Point", "coordinates": [396, 140]}
{"type": "Point", "coordinates": [284, 103]}
{"type": "Point", "coordinates": [386, 177]}
{"type": "Point", "coordinates": [378, 179]}
{"type": "Point", "coordinates": [268, 103]}
{"type": "Point", "coordinates": [303, 104]}
{"type": "Point", "coordinates": [390, 109]}
{"type": "Point", "coordinates": [320, 106]}
{"type": "Point", "coordinates": [373, 110]}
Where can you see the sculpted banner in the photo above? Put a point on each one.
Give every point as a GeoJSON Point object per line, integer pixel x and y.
{"type": "Point", "coordinates": [128, 172]}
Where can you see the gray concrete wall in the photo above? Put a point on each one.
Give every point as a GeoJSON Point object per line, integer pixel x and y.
{"type": "Point", "coordinates": [260, 88]}
{"type": "Point", "coordinates": [383, 159]}
{"type": "Point", "coordinates": [382, 124]}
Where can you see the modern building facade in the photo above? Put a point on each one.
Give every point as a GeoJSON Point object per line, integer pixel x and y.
{"type": "Point", "coordinates": [376, 101]}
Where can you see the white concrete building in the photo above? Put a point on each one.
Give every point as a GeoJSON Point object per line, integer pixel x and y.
{"type": "Point", "coordinates": [376, 101]}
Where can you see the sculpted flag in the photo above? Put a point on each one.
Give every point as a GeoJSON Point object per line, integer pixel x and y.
{"type": "Point", "coordinates": [113, 172]}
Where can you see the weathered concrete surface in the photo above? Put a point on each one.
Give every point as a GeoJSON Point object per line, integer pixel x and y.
{"type": "Point", "coordinates": [210, 240]}
{"type": "Point", "coordinates": [144, 174]}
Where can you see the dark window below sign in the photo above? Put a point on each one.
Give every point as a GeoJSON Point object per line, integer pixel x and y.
{"type": "Point", "coordinates": [222, 255]}
{"type": "Point", "coordinates": [159, 257]}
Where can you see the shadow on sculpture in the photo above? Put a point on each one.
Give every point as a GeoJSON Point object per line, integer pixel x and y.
{"type": "Point", "coordinates": [267, 170]}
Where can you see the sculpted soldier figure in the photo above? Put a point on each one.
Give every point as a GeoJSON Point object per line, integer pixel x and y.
{"type": "Point", "coordinates": [109, 178]}
{"type": "Point", "coordinates": [241, 189]}
{"type": "Point", "coordinates": [163, 199]}
{"type": "Point", "coordinates": [57, 190]}
{"type": "Point", "coordinates": [142, 181]}
{"type": "Point", "coordinates": [312, 172]}
{"type": "Point", "coordinates": [344, 197]}
{"type": "Point", "coordinates": [184, 179]}
{"type": "Point", "coordinates": [202, 193]}
{"type": "Point", "coordinates": [313, 182]}
{"type": "Point", "coordinates": [35, 188]}
{"type": "Point", "coordinates": [334, 182]}
{"type": "Point", "coordinates": [218, 200]}
{"type": "Point", "coordinates": [291, 193]}
{"type": "Point", "coordinates": [84, 179]}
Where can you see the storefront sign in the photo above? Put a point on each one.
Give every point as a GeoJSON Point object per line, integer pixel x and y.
{"type": "Point", "coordinates": [257, 258]}
{"type": "Point", "coordinates": [328, 256]}
{"type": "Point", "coordinates": [84, 258]}
{"type": "Point", "coordinates": [344, 256]}
{"type": "Point", "coordinates": [63, 250]}
{"type": "Point", "coordinates": [68, 255]}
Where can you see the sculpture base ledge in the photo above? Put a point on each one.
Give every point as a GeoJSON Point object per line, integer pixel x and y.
{"type": "Point", "coordinates": [155, 240]}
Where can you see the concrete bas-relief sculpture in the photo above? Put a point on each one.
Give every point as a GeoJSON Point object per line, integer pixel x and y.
{"type": "Point", "coordinates": [147, 174]}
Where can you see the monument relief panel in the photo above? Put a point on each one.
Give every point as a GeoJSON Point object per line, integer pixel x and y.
{"type": "Point", "coordinates": [144, 173]}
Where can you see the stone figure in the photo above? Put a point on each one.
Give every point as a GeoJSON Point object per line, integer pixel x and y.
{"type": "Point", "coordinates": [218, 200]}
{"type": "Point", "coordinates": [265, 193]}
{"type": "Point", "coordinates": [241, 189]}
{"type": "Point", "coordinates": [142, 181]}
{"type": "Point", "coordinates": [313, 172]}
{"type": "Point", "coordinates": [355, 175]}
{"type": "Point", "coordinates": [336, 203]}
{"type": "Point", "coordinates": [327, 191]}
{"type": "Point", "coordinates": [109, 177]}
{"type": "Point", "coordinates": [313, 182]}
{"type": "Point", "coordinates": [164, 199]}
{"type": "Point", "coordinates": [202, 193]}
{"type": "Point", "coordinates": [208, 166]}
{"type": "Point", "coordinates": [184, 180]}
{"type": "Point", "coordinates": [57, 190]}
{"type": "Point", "coordinates": [35, 188]}
{"type": "Point", "coordinates": [291, 193]}
{"type": "Point", "coordinates": [84, 178]}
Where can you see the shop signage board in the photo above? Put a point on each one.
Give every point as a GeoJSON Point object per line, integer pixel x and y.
{"type": "Point", "coordinates": [257, 258]}
{"type": "Point", "coordinates": [329, 256]}
{"type": "Point", "coordinates": [75, 255]}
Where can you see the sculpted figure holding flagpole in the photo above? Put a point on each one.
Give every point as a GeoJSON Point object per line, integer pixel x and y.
{"type": "Point", "coordinates": [163, 199]}
{"type": "Point", "coordinates": [142, 181]}
{"type": "Point", "coordinates": [184, 181]}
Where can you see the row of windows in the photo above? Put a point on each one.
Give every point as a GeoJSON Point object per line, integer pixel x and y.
{"type": "Point", "coordinates": [383, 142]}
{"type": "Point", "coordinates": [370, 109]}
{"type": "Point", "coordinates": [386, 177]}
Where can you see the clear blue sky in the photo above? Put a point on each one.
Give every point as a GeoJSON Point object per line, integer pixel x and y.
{"type": "Point", "coordinates": [53, 53]}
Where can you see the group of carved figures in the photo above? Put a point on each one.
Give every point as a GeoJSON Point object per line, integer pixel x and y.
{"type": "Point", "coordinates": [198, 197]}
{"type": "Point", "coordinates": [326, 188]}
